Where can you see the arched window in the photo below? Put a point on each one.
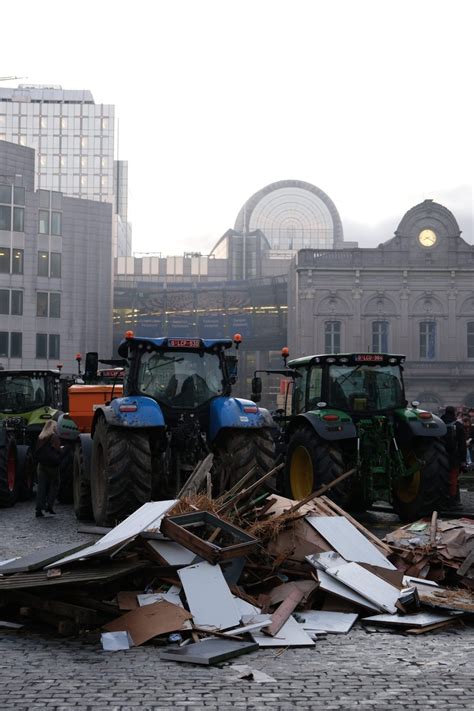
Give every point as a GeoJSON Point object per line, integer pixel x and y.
{"type": "Point", "coordinates": [379, 336]}
{"type": "Point", "coordinates": [470, 339]}
{"type": "Point", "coordinates": [332, 337]}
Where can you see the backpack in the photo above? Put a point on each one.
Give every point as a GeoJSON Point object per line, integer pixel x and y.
{"type": "Point", "coordinates": [47, 455]}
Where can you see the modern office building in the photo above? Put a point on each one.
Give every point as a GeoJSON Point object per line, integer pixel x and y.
{"type": "Point", "coordinates": [73, 138]}
{"type": "Point", "coordinates": [413, 294]}
{"type": "Point", "coordinates": [55, 269]}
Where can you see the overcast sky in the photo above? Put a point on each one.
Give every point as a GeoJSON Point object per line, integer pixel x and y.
{"type": "Point", "coordinates": [371, 101]}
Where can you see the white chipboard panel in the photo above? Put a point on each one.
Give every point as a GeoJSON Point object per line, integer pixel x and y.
{"type": "Point", "coordinates": [333, 586]}
{"type": "Point", "coordinates": [210, 600]}
{"type": "Point", "coordinates": [148, 514]}
{"type": "Point", "coordinates": [348, 541]}
{"type": "Point", "coordinates": [324, 621]}
{"type": "Point", "coordinates": [370, 586]}
{"type": "Point", "coordinates": [290, 635]}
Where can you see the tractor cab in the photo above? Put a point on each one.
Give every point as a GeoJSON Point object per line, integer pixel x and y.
{"type": "Point", "coordinates": [182, 375]}
{"type": "Point", "coordinates": [24, 390]}
{"type": "Point", "coordinates": [358, 384]}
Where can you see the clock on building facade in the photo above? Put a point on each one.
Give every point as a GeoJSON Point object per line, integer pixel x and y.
{"type": "Point", "coordinates": [427, 238]}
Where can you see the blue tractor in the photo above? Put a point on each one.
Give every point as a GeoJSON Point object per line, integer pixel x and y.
{"type": "Point", "coordinates": [175, 410]}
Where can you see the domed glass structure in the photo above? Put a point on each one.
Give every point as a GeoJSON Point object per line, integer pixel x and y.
{"type": "Point", "coordinates": [292, 215]}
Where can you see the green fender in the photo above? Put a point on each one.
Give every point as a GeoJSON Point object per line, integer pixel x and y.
{"type": "Point", "coordinates": [414, 422]}
{"type": "Point", "coordinates": [339, 426]}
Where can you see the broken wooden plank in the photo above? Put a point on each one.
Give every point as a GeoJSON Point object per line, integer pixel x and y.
{"type": "Point", "coordinates": [245, 492]}
{"type": "Point", "coordinates": [82, 616]}
{"type": "Point", "coordinates": [282, 613]}
{"type": "Point", "coordinates": [466, 565]}
{"type": "Point", "coordinates": [83, 575]}
{"type": "Point", "coordinates": [40, 558]}
{"type": "Point", "coordinates": [432, 628]}
{"type": "Point", "coordinates": [434, 522]}
{"type": "Point", "coordinates": [196, 479]}
{"type": "Point", "coordinates": [322, 490]}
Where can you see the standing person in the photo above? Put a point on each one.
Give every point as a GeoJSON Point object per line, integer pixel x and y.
{"type": "Point", "coordinates": [469, 432]}
{"type": "Point", "coordinates": [47, 456]}
{"type": "Point", "coordinates": [455, 441]}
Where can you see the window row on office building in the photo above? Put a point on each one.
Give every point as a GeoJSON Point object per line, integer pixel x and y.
{"type": "Point", "coordinates": [55, 269]}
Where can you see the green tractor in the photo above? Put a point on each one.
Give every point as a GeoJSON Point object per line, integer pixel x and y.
{"type": "Point", "coordinates": [348, 411]}
{"type": "Point", "coordinates": [28, 399]}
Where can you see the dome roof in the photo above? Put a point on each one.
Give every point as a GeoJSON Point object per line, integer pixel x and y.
{"type": "Point", "coordinates": [292, 214]}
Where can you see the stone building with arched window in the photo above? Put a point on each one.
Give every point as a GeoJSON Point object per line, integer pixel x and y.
{"type": "Point", "coordinates": [413, 294]}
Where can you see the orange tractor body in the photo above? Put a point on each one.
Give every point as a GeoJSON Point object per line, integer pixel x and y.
{"type": "Point", "coordinates": [84, 400]}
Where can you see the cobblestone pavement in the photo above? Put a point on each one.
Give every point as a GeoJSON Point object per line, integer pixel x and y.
{"type": "Point", "coordinates": [378, 670]}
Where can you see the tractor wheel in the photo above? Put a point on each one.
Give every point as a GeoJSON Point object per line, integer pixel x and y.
{"type": "Point", "coordinates": [9, 473]}
{"type": "Point", "coordinates": [237, 452]}
{"type": "Point", "coordinates": [26, 468]}
{"type": "Point", "coordinates": [310, 464]}
{"type": "Point", "coordinates": [120, 472]}
{"type": "Point", "coordinates": [81, 484]}
{"type": "Point", "coordinates": [428, 488]}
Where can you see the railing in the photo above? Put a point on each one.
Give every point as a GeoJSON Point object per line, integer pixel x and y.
{"type": "Point", "coordinates": [374, 257]}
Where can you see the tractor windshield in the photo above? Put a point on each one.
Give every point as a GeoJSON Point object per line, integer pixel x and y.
{"type": "Point", "coordinates": [364, 388]}
{"type": "Point", "coordinates": [181, 379]}
{"type": "Point", "coordinates": [21, 393]}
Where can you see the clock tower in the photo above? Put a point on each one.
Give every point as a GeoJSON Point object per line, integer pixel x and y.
{"type": "Point", "coordinates": [428, 235]}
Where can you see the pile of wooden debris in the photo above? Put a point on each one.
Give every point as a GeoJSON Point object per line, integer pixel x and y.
{"type": "Point", "coordinates": [212, 579]}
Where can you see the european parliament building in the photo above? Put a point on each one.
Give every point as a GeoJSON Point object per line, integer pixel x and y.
{"type": "Point", "coordinates": [284, 275]}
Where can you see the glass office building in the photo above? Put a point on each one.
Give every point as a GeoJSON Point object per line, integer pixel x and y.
{"type": "Point", "coordinates": [73, 138]}
{"type": "Point", "coordinates": [257, 309]}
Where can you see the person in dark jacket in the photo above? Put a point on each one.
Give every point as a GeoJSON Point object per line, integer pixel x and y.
{"type": "Point", "coordinates": [47, 455]}
{"type": "Point", "coordinates": [455, 441]}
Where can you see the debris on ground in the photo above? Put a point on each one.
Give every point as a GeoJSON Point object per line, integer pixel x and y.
{"type": "Point", "coordinates": [440, 551]}
{"type": "Point", "coordinates": [211, 579]}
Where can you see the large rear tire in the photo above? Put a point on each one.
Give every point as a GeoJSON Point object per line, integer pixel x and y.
{"type": "Point", "coordinates": [121, 472]}
{"type": "Point", "coordinates": [311, 463]}
{"type": "Point", "coordinates": [428, 489]}
{"type": "Point", "coordinates": [9, 473]}
{"type": "Point", "coordinates": [81, 483]}
{"type": "Point", "coordinates": [26, 468]}
{"type": "Point", "coordinates": [237, 452]}
{"type": "Point", "coordinates": [65, 493]}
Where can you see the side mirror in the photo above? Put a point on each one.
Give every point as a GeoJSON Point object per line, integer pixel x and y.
{"type": "Point", "coordinates": [256, 389]}
{"type": "Point", "coordinates": [231, 362]}
{"type": "Point", "coordinates": [92, 366]}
